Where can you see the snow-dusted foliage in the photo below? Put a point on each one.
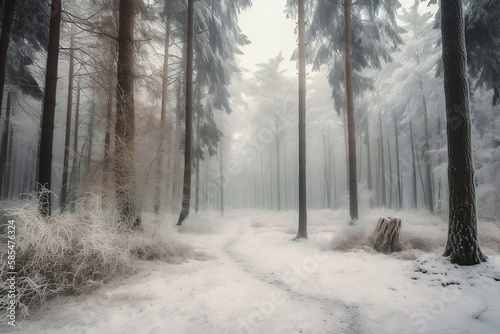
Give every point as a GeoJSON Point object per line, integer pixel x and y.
{"type": "Point", "coordinates": [76, 253]}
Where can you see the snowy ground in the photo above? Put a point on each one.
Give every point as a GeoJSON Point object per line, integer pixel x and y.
{"type": "Point", "coordinates": [247, 276]}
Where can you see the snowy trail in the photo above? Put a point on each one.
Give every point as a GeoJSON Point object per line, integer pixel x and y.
{"type": "Point", "coordinates": [246, 275]}
{"type": "Point", "coordinates": [323, 305]}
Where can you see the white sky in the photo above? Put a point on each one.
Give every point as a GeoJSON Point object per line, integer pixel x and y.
{"type": "Point", "coordinates": [270, 32]}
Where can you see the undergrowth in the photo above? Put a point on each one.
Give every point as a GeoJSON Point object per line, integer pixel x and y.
{"type": "Point", "coordinates": [75, 253]}
{"type": "Point", "coordinates": [419, 235]}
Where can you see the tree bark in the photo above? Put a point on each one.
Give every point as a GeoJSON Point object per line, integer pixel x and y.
{"type": "Point", "coordinates": [4, 149]}
{"type": "Point", "coordinates": [278, 169]}
{"type": "Point", "coordinates": [400, 185]}
{"type": "Point", "coordinates": [74, 165]}
{"type": "Point", "coordinates": [10, 165]}
{"type": "Point", "coordinates": [90, 136]}
{"type": "Point", "coordinates": [178, 133]}
{"type": "Point", "coordinates": [369, 167]}
{"type": "Point", "coordinates": [427, 156]}
{"type": "Point", "coordinates": [197, 161]}
{"type": "Point", "coordinates": [386, 235]}
{"type": "Point", "coordinates": [462, 246]}
{"type": "Point", "coordinates": [391, 179]}
{"type": "Point", "coordinates": [382, 162]}
{"type": "Point", "coordinates": [221, 181]}
{"type": "Point", "coordinates": [326, 168]}
{"type": "Point", "coordinates": [69, 110]}
{"type": "Point", "coordinates": [44, 185]}
{"type": "Point", "coordinates": [107, 143]}
{"type": "Point", "coordinates": [125, 123]}
{"type": "Point", "coordinates": [439, 164]}
{"type": "Point", "coordinates": [163, 115]}
{"type": "Point", "coordinates": [302, 230]}
{"type": "Point", "coordinates": [4, 44]}
{"type": "Point", "coordinates": [351, 128]}
{"type": "Point", "coordinates": [186, 190]}
{"type": "Point", "coordinates": [414, 169]}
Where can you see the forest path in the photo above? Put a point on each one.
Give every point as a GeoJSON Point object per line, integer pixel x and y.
{"type": "Point", "coordinates": [244, 276]}
{"type": "Point", "coordinates": [338, 316]}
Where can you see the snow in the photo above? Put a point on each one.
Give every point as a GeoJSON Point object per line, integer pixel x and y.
{"type": "Point", "coordinates": [248, 276]}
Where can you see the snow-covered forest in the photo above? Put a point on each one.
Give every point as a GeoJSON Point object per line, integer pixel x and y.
{"type": "Point", "coordinates": [164, 171]}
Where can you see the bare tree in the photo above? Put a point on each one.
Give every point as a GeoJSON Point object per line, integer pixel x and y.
{"type": "Point", "coordinates": [124, 128]}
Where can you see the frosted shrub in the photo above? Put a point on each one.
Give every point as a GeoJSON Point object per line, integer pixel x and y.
{"type": "Point", "coordinates": [73, 253]}
{"type": "Point", "coordinates": [425, 235]}
{"type": "Point", "coordinates": [351, 237]}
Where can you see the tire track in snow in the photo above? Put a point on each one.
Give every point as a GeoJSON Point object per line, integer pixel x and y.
{"type": "Point", "coordinates": [349, 321]}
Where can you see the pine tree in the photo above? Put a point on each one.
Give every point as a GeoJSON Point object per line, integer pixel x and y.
{"type": "Point", "coordinates": [373, 34]}
{"type": "Point", "coordinates": [302, 230]}
{"type": "Point", "coordinates": [186, 190]}
{"type": "Point", "coordinates": [462, 246]}
{"type": "Point", "coordinates": [8, 13]}
{"type": "Point", "coordinates": [49, 106]}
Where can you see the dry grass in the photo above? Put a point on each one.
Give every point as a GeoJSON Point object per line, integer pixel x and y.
{"type": "Point", "coordinates": [74, 253]}
{"type": "Point", "coordinates": [419, 235]}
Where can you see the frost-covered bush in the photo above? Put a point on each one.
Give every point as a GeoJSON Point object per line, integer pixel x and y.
{"type": "Point", "coordinates": [74, 253]}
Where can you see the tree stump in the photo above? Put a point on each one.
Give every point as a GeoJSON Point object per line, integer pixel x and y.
{"type": "Point", "coordinates": [386, 235]}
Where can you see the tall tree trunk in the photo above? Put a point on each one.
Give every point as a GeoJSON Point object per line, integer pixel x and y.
{"type": "Point", "coordinates": [10, 168]}
{"type": "Point", "coordinates": [69, 110]}
{"type": "Point", "coordinates": [424, 193]}
{"type": "Point", "coordinates": [4, 43]}
{"type": "Point", "coordinates": [178, 133]}
{"type": "Point", "coordinates": [197, 163]}
{"type": "Point", "coordinates": [427, 156]}
{"type": "Point", "coordinates": [285, 171]}
{"type": "Point", "coordinates": [463, 245]}
{"type": "Point", "coordinates": [186, 190]}
{"type": "Point", "coordinates": [74, 165]}
{"type": "Point", "coordinates": [351, 128]}
{"type": "Point", "coordinates": [263, 195]}
{"type": "Point", "coordinates": [334, 178]}
{"type": "Point", "coordinates": [49, 107]}
{"type": "Point", "coordinates": [414, 169]}
{"type": "Point", "coordinates": [5, 145]}
{"type": "Point", "coordinates": [278, 176]}
{"type": "Point", "coordinates": [382, 162]}
{"type": "Point", "coordinates": [163, 114]}
{"type": "Point", "coordinates": [400, 185]}
{"type": "Point", "coordinates": [107, 143]}
{"type": "Point", "coordinates": [271, 197]}
{"type": "Point", "coordinates": [221, 180]}
{"type": "Point", "coordinates": [369, 167]}
{"type": "Point", "coordinates": [346, 149]}
{"type": "Point", "coordinates": [391, 179]}
{"type": "Point", "coordinates": [439, 200]}
{"type": "Point", "coordinates": [125, 124]}
{"type": "Point", "coordinates": [255, 198]}
{"type": "Point", "coordinates": [302, 230]}
{"type": "Point", "coordinates": [326, 169]}
{"type": "Point", "coordinates": [360, 160]}
{"type": "Point", "coordinates": [90, 136]}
